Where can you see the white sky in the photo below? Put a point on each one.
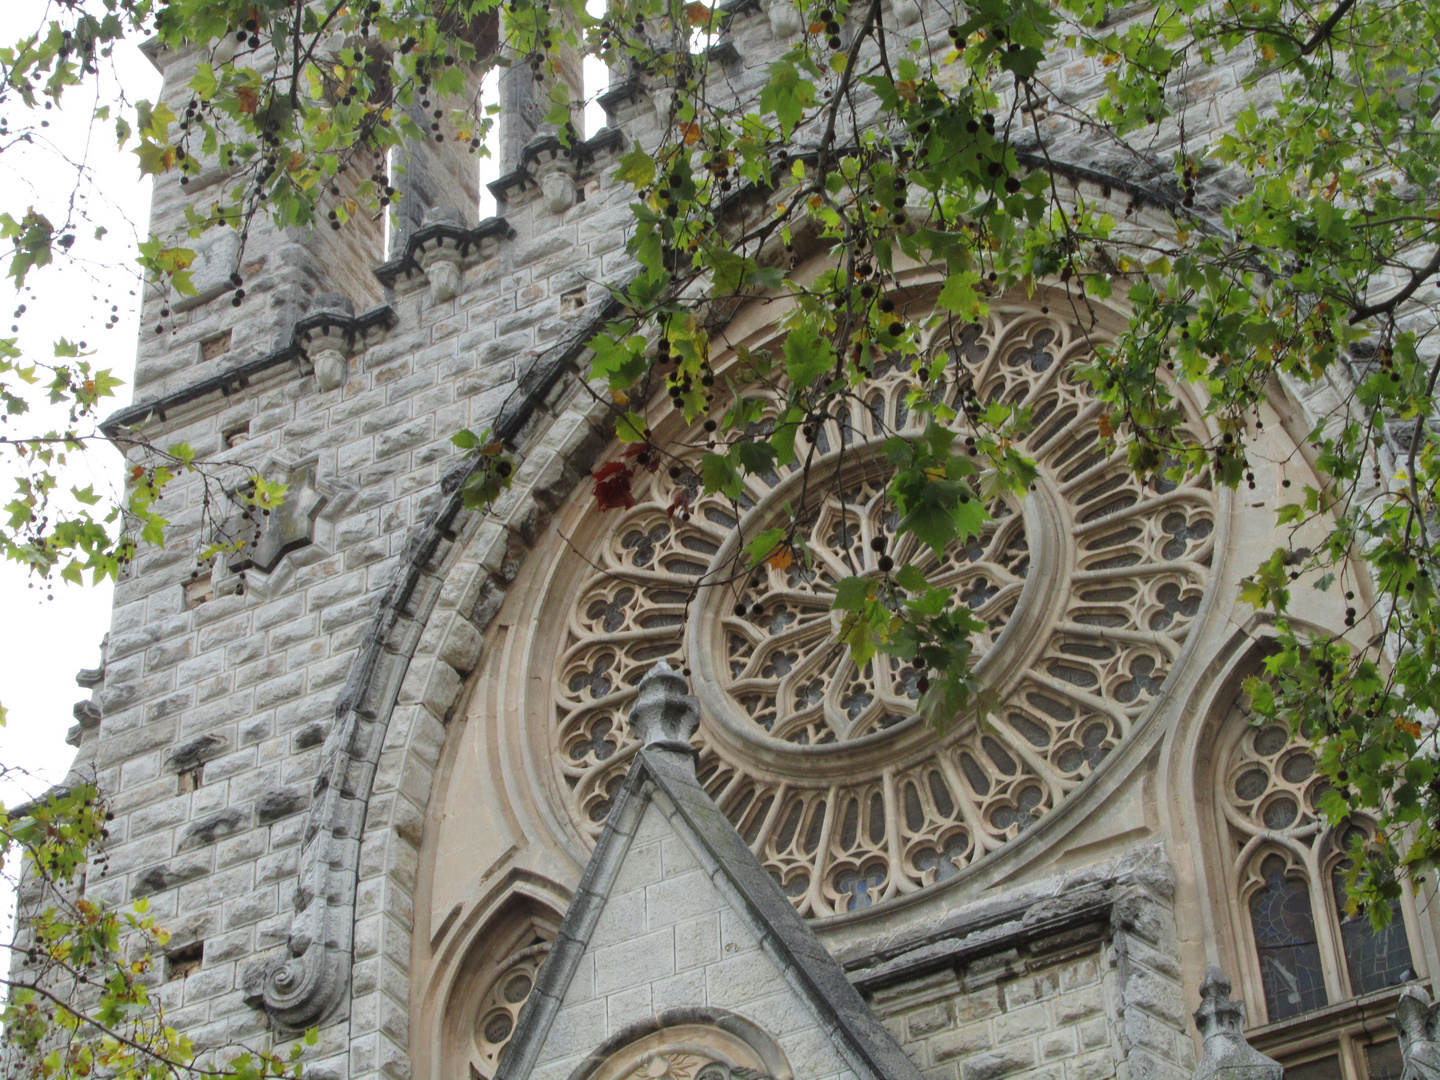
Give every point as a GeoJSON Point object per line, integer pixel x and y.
{"type": "Point", "coordinates": [44, 642]}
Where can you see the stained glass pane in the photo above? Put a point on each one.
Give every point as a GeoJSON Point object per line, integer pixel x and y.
{"type": "Point", "coordinates": [1382, 1061]}
{"type": "Point", "coordinates": [1374, 960]}
{"type": "Point", "coordinates": [1285, 940]}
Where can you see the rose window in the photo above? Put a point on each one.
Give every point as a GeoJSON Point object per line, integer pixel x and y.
{"type": "Point", "coordinates": [1088, 587]}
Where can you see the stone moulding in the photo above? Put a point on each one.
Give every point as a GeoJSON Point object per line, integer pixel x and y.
{"type": "Point", "coordinates": [408, 262]}
{"type": "Point", "coordinates": [309, 981]}
{"type": "Point", "coordinates": [239, 376]}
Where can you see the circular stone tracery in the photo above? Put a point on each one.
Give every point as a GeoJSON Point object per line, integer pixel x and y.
{"type": "Point", "coordinates": [1088, 588]}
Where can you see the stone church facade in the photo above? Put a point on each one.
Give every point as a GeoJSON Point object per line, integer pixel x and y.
{"type": "Point", "coordinates": [380, 772]}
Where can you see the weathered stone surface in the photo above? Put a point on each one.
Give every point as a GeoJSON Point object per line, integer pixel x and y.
{"type": "Point", "coordinates": [215, 827]}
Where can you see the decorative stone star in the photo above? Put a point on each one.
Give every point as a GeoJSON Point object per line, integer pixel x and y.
{"type": "Point", "coordinates": [289, 526]}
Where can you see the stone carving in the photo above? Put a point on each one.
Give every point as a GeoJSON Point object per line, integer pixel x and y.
{"type": "Point", "coordinates": [907, 12]}
{"type": "Point", "coordinates": [784, 18]}
{"type": "Point", "coordinates": [664, 714]}
{"type": "Point", "coordinates": [557, 184]}
{"type": "Point", "coordinates": [330, 354]}
{"type": "Point", "coordinates": [1089, 588]}
{"type": "Point", "coordinates": [1224, 1053]}
{"type": "Point", "coordinates": [439, 261]}
{"type": "Point", "coordinates": [288, 527]}
{"type": "Point", "coordinates": [1417, 1023]}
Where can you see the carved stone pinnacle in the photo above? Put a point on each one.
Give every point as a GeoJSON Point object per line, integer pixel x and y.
{"type": "Point", "coordinates": [664, 714]}
{"type": "Point", "coordinates": [1417, 1023]}
{"type": "Point", "coordinates": [1225, 1055]}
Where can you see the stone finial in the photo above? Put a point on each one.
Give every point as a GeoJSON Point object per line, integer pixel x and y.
{"type": "Point", "coordinates": [664, 714]}
{"type": "Point", "coordinates": [907, 12]}
{"type": "Point", "coordinates": [784, 18]}
{"type": "Point", "coordinates": [1417, 1023]}
{"type": "Point", "coordinates": [1224, 1054]}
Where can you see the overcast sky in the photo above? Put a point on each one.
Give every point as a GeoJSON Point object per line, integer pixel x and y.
{"type": "Point", "coordinates": [44, 642]}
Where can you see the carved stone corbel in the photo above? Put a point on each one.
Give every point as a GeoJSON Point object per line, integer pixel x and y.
{"type": "Point", "coordinates": [784, 18]}
{"type": "Point", "coordinates": [439, 261]}
{"type": "Point", "coordinates": [329, 353]}
{"type": "Point", "coordinates": [1225, 1054]}
{"type": "Point", "coordinates": [557, 184]}
{"type": "Point", "coordinates": [907, 12]}
{"type": "Point", "coordinates": [1417, 1023]}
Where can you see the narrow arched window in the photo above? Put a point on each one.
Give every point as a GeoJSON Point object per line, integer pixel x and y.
{"type": "Point", "coordinates": [1284, 922]}
{"type": "Point", "coordinates": [1317, 979]}
{"type": "Point", "coordinates": [1374, 959]}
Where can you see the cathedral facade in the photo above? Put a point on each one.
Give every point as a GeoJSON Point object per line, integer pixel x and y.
{"type": "Point", "coordinates": [534, 794]}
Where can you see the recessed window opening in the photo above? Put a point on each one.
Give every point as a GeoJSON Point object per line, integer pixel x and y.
{"type": "Point", "coordinates": [236, 435]}
{"type": "Point", "coordinates": [185, 961]}
{"type": "Point", "coordinates": [200, 589]}
{"type": "Point", "coordinates": [215, 345]}
{"type": "Point", "coordinates": [191, 779]}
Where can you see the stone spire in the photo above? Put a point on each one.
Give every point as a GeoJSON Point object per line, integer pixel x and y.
{"type": "Point", "coordinates": [1416, 1022]}
{"type": "Point", "coordinates": [1224, 1054]}
{"type": "Point", "coordinates": [664, 714]}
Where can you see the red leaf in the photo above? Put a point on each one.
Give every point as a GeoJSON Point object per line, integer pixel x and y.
{"type": "Point", "coordinates": [680, 502]}
{"type": "Point", "coordinates": [612, 486]}
{"type": "Point", "coordinates": [609, 469]}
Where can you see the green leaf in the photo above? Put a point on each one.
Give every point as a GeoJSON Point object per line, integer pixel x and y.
{"type": "Point", "coordinates": [637, 168]}
{"type": "Point", "coordinates": [808, 355]}
{"type": "Point", "coordinates": [718, 473]}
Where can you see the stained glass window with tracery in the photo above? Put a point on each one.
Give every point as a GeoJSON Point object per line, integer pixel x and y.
{"type": "Point", "coordinates": [1089, 586]}
{"type": "Point", "coordinates": [1290, 865]}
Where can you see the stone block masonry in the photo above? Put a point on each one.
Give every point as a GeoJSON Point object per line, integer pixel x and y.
{"type": "Point", "coordinates": [267, 744]}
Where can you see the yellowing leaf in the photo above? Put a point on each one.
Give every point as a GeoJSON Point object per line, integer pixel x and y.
{"type": "Point", "coordinates": [697, 13]}
{"type": "Point", "coordinates": [781, 557]}
{"type": "Point", "coordinates": [248, 99]}
{"type": "Point", "coordinates": [907, 91]}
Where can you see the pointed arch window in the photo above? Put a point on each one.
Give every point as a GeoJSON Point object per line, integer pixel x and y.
{"type": "Point", "coordinates": [1288, 864]}
{"type": "Point", "coordinates": [1285, 939]}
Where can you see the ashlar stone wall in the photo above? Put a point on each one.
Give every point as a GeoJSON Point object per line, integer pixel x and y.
{"type": "Point", "coordinates": [1096, 994]}
{"type": "Point", "coordinates": [267, 737]}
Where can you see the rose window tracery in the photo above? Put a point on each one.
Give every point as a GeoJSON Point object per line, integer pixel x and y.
{"type": "Point", "coordinates": [1088, 587]}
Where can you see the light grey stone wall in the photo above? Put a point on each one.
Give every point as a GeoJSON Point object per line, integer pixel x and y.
{"type": "Point", "coordinates": [347, 660]}
{"type": "Point", "coordinates": [667, 937]}
{"type": "Point", "coordinates": [1098, 997]}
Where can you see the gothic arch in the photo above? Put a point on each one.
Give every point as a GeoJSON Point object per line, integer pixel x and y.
{"type": "Point", "coordinates": [1259, 880]}
{"type": "Point", "coordinates": [465, 1016]}
{"type": "Point", "coordinates": [427, 644]}
{"type": "Point", "coordinates": [700, 1043]}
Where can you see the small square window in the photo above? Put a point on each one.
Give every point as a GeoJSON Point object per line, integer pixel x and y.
{"type": "Point", "coordinates": [182, 962]}
{"type": "Point", "coordinates": [215, 345]}
{"type": "Point", "coordinates": [191, 779]}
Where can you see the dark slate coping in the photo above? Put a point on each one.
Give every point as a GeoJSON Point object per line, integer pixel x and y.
{"type": "Point", "coordinates": [1039, 917]}
{"type": "Point", "coordinates": [670, 774]}
{"type": "Point", "coordinates": [550, 147]}
{"type": "Point", "coordinates": [406, 262]}
{"type": "Point", "coordinates": [238, 376]}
